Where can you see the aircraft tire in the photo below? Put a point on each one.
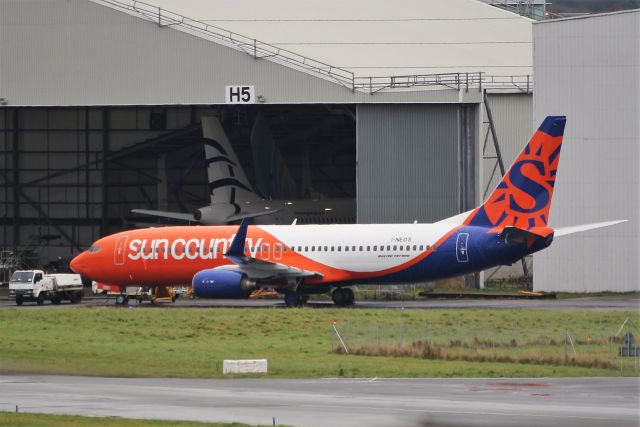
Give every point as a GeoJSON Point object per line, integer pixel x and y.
{"type": "Point", "coordinates": [120, 299]}
{"type": "Point", "coordinates": [338, 297]}
{"type": "Point", "coordinates": [349, 297]}
{"type": "Point", "coordinates": [293, 299]}
{"type": "Point", "coordinates": [343, 297]}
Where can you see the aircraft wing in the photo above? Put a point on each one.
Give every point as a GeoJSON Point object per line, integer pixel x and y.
{"type": "Point", "coordinates": [563, 231]}
{"type": "Point", "coordinates": [256, 268]}
{"type": "Point", "coordinates": [163, 214]}
{"type": "Point", "coordinates": [242, 215]}
{"type": "Point", "coordinates": [190, 218]}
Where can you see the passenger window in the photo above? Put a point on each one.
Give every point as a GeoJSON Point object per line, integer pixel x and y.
{"type": "Point", "coordinates": [360, 248]}
{"type": "Point", "coordinates": [306, 248]}
{"type": "Point", "coordinates": [325, 249]}
{"type": "Point", "coordinates": [353, 248]}
{"type": "Point", "coordinates": [346, 248]}
{"type": "Point", "coordinates": [375, 248]}
{"type": "Point", "coordinates": [388, 247]}
{"type": "Point", "coordinates": [395, 248]}
{"type": "Point", "coordinates": [339, 248]}
{"type": "Point", "coordinates": [401, 247]}
{"type": "Point", "coordinates": [313, 248]}
{"type": "Point", "coordinates": [422, 247]}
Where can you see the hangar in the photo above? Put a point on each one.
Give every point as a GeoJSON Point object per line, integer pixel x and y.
{"type": "Point", "coordinates": [386, 104]}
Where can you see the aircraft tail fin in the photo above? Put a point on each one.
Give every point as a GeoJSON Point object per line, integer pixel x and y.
{"type": "Point", "coordinates": [273, 178]}
{"type": "Point", "coordinates": [228, 183]}
{"type": "Point", "coordinates": [523, 197]}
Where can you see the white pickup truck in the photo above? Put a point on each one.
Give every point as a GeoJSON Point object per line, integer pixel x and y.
{"type": "Point", "coordinates": [35, 285]}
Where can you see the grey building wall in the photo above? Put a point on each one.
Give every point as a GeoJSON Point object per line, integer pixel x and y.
{"type": "Point", "coordinates": [589, 69]}
{"type": "Point", "coordinates": [412, 162]}
{"type": "Point", "coordinates": [75, 52]}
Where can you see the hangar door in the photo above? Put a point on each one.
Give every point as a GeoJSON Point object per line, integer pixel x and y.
{"type": "Point", "coordinates": [415, 161]}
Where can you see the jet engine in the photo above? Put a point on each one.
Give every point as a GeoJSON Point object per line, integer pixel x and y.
{"type": "Point", "coordinates": [216, 283]}
{"type": "Point", "coordinates": [215, 215]}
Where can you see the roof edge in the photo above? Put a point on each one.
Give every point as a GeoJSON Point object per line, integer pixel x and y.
{"type": "Point", "coordinates": [592, 15]}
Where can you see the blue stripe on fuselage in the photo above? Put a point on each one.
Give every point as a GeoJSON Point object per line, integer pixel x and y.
{"type": "Point", "coordinates": [484, 250]}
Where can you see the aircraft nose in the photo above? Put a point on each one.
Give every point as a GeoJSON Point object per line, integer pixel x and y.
{"type": "Point", "coordinates": [78, 263]}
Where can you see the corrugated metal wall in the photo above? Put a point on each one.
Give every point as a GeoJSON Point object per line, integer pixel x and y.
{"type": "Point", "coordinates": [75, 52]}
{"type": "Point", "coordinates": [409, 161]}
{"type": "Point", "coordinates": [589, 69]}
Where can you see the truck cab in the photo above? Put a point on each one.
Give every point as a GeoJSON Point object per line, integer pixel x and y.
{"type": "Point", "coordinates": [22, 285]}
{"type": "Point", "coordinates": [35, 285]}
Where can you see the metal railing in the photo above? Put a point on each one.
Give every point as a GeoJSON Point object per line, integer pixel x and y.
{"type": "Point", "coordinates": [261, 50]}
{"type": "Point", "coordinates": [528, 8]}
{"type": "Point", "coordinates": [467, 81]}
{"type": "Point", "coordinates": [251, 46]}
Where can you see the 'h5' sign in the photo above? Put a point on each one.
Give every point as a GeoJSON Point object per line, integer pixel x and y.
{"type": "Point", "coordinates": [240, 94]}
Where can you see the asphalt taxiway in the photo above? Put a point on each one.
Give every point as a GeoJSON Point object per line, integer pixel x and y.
{"type": "Point", "coordinates": [582, 402]}
{"type": "Point", "coordinates": [603, 303]}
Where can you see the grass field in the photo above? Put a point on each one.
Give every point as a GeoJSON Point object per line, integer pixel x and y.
{"type": "Point", "coordinates": [299, 343]}
{"type": "Point", "coordinates": [44, 420]}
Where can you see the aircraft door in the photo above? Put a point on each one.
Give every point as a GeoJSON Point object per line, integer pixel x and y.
{"type": "Point", "coordinates": [462, 253]}
{"type": "Point", "coordinates": [265, 250]}
{"type": "Point", "coordinates": [277, 251]}
{"type": "Point", "coordinates": [119, 250]}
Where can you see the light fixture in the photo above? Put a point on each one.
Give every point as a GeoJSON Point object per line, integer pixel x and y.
{"type": "Point", "coordinates": [328, 209]}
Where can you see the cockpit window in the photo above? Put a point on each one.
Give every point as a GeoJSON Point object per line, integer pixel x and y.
{"type": "Point", "coordinates": [93, 249]}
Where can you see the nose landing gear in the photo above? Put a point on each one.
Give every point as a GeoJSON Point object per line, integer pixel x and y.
{"type": "Point", "coordinates": [343, 297]}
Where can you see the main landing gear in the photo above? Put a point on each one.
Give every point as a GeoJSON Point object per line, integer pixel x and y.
{"type": "Point", "coordinates": [295, 299]}
{"type": "Point", "coordinates": [343, 297]}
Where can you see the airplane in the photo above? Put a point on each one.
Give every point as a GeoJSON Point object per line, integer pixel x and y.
{"type": "Point", "coordinates": [233, 197]}
{"type": "Point", "coordinates": [299, 260]}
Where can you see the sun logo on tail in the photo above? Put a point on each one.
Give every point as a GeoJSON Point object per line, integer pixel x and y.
{"type": "Point", "coordinates": [523, 197]}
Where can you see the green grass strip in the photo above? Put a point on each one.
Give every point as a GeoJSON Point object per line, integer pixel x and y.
{"type": "Point", "coordinates": [45, 420]}
{"type": "Point", "coordinates": [298, 343]}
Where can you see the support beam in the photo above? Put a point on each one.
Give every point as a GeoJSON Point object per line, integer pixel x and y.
{"type": "Point", "coordinates": [494, 136]}
{"type": "Point", "coordinates": [104, 187]}
{"type": "Point", "coordinates": [468, 176]}
{"type": "Point", "coordinates": [16, 178]}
